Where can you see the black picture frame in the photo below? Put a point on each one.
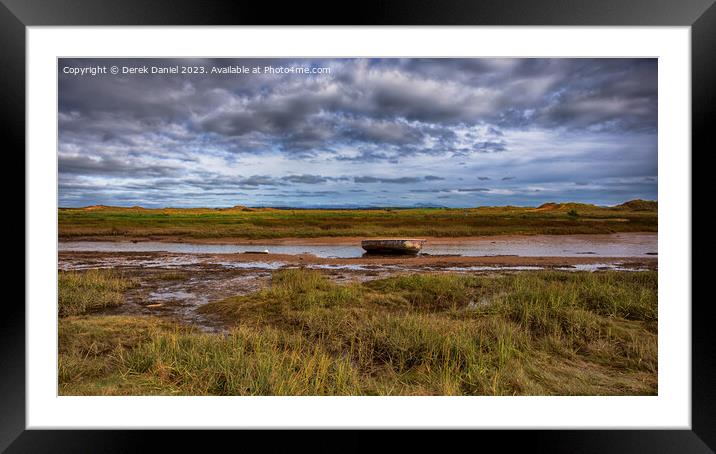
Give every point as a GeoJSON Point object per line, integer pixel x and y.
{"type": "Point", "coordinates": [16, 15]}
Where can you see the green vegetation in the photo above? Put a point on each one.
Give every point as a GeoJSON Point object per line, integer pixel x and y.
{"type": "Point", "coordinates": [533, 333]}
{"type": "Point", "coordinates": [80, 292]}
{"type": "Point", "coordinates": [97, 358]}
{"type": "Point", "coordinates": [242, 222]}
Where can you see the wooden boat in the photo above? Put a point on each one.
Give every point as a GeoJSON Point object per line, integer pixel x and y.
{"type": "Point", "coordinates": [392, 246]}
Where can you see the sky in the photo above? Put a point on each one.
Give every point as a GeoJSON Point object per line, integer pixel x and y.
{"type": "Point", "coordinates": [356, 132]}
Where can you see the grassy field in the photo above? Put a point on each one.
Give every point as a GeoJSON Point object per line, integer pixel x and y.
{"type": "Point", "coordinates": [531, 333]}
{"type": "Point", "coordinates": [250, 223]}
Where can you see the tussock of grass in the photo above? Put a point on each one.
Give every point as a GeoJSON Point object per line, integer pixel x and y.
{"type": "Point", "coordinates": [80, 292]}
{"type": "Point", "coordinates": [428, 292]}
{"type": "Point", "coordinates": [527, 333]}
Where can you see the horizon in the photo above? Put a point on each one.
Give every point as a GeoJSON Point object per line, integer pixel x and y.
{"type": "Point", "coordinates": [339, 207]}
{"type": "Point", "coordinates": [358, 133]}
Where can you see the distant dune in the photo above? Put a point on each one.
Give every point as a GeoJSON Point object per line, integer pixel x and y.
{"type": "Point", "coordinates": [639, 205]}
{"type": "Point", "coordinates": [631, 205]}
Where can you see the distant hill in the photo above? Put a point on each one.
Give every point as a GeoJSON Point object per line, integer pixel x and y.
{"type": "Point", "coordinates": [237, 208]}
{"type": "Point", "coordinates": [639, 205]}
{"type": "Point", "coordinates": [551, 206]}
{"type": "Point", "coordinates": [632, 205]}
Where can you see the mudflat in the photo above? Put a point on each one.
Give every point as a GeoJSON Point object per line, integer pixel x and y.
{"type": "Point", "coordinates": [79, 260]}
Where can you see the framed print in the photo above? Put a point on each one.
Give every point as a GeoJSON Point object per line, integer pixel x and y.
{"type": "Point", "coordinates": [462, 218]}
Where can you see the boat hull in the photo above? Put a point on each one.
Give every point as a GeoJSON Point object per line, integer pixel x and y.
{"type": "Point", "coordinates": [392, 246]}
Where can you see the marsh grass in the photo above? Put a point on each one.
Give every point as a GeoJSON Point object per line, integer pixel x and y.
{"type": "Point", "coordinates": [80, 292]}
{"type": "Point", "coordinates": [242, 222]}
{"type": "Point", "coordinates": [534, 333]}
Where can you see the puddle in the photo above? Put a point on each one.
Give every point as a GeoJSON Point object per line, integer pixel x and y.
{"type": "Point", "coordinates": [252, 265]}
{"type": "Point", "coordinates": [494, 268]}
{"type": "Point", "coordinates": [178, 295]}
{"type": "Point", "coordinates": [147, 261]}
{"type": "Point", "coordinates": [600, 267]}
{"type": "Point", "coordinates": [344, 267]}
{"type": "Point", "coordinates": [578, 267]}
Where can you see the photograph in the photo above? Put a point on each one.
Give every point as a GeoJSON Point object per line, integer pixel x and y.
{"type": "Point", "coordinates": [357, 226]}
{"type": "Point", "coordinates": [415, 217]}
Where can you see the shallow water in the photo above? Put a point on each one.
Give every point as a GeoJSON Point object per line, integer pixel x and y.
{"type": "Point", "coordinates": [577, 267]}
{"type": "Point", "coordinates": [614, 245]}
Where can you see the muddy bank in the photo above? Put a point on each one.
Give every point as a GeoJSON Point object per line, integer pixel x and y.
{"type": "Point", "coordinates": [177, 293]}
{"type": "Point", "coordinates": [70, 260]}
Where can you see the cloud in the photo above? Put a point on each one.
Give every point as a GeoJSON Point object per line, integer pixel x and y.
{"type": "Point", "coordinates": [256, 180]}
{"type": "Point", "coordinates": [474, 190]}
{"type": "Point", "coordinates": [489, 147]}
{"type": "Point", "coordinates": [405, 123]}
{"type": "Point", "coordinates": [305, 178]}
{"type": "Point", "coordinates": [399, 180]}
{"type": "Point", "coordinates": [107, 166]}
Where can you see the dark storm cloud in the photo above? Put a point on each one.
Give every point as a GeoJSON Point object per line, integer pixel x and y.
{"type": "Point", "coordinates": [221, 133]}
{"type": "Point", "coordinates": [397, 102]}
